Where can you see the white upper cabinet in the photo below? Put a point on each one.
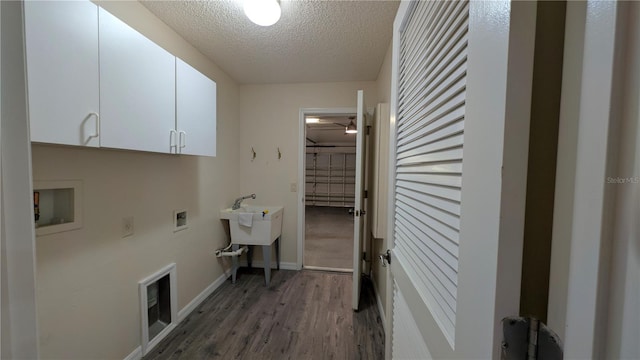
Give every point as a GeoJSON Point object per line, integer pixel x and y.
{"type": "Point", "coordinates": [95, 81]}
{"type": "Point", "coordinates": [137, 89]}
{"type": "Point", "coordinates": [195, 112]}
{"type": "Point", "coordinates": [62, 64]}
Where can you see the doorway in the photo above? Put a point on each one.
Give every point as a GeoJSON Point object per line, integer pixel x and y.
{"type": "Point", "coordinates": [329, 191]}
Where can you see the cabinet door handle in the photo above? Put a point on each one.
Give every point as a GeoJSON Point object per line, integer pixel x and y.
{"type": "Point", "coordinates": [172, 141]}
{"type": "Point", "coordinates": [183, 139]}
{"type": "Point", "coordinates": [97, 133]}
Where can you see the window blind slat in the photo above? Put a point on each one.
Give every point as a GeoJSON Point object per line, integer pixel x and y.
{"type": "Point", "coordinates": [434, 58]}
{"type": "Point", "coordinates": [422, 53]}
{"type": "Point", "coordinates": [449, 206]}
{"type": "Point", "coordinates": [428, 286]}
{"type": "Point", "coordinates": [435, 190]}
{"type": "Point", "coordinates": [440, 262]}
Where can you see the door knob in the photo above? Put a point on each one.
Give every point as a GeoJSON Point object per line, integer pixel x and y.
{"type": "Point", "coordinates": [385, 258]}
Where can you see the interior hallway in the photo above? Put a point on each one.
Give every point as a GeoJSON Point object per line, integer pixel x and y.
{"type": "Point", "coordinates": [328, 237]}
{"type": "Point", "coordinates": [302, 315]}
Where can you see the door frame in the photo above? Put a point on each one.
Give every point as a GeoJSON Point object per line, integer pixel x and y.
{"type": "Point", "coordinates": [302, 158]}
{"type": "Point", "coordinates": [584, 225]}
{"type": "Point", "coordinates": [17, 238]}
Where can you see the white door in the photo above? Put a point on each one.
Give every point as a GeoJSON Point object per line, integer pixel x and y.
{"type": "Point", "coordinates": [359, 209]}
{"type": "Point", "coordinates": [460, 103]}
{"type": "Point", "coordinates": [62, 63]}
{"type": "Point", "coordinates": [195, 111]}
{"type": "Point", "coordinates": [137, 89]}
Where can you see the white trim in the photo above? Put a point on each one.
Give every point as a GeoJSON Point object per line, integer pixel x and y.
{"type": "Point", "coordinates": [590, 214]}
{"type": "Point", "coordinates": [135, 354]}
{"type": "Point", "coordinates": [398, 25]}
{"type": "Point", "coordinates": [260, 264]}
{"type": "Point", "coordinates": [302, 150]}
{"type": "Point", "coordinates": [566, 166]}
{"type": "Point", "coordinates": [18, 233]}
{"type": "Point", "coordinates": [193, 304]}
{"type": "Point", "coordinates": [322, 268]}
{"type": "Point", "coordinates": [148, 345]}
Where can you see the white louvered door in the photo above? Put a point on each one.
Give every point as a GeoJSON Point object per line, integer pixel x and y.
{"type": "Point", "coordinates": [458, 156]}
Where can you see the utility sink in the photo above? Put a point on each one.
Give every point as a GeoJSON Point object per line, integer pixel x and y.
{"type": "Point", "coordinates": [266, 224]}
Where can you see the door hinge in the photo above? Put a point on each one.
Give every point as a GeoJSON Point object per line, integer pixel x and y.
{"type": "Point", "coordinates": [364, 255]}
{"type": "Point", "coordinates": [366, 194]}
{"type": "Point", "coordinates": [530, 339]}
{"type": "Point", "coordinates": [369, 130]}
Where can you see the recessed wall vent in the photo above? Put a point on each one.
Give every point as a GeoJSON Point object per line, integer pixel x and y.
{"type": "Point", "coordinates": [158, 305]}
{"type": "Point", "coordinates": [180, 220]}
{"type": "Point", "coordinates": [57, 206]}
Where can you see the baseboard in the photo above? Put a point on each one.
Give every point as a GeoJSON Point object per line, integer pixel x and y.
{"type": "Point", "coordinates": [383, 315]}
{"type": "Point", "coordinates": [322, 268]}
{"type": "Point", "coordinates": [135, 355]}
{"type": "Point", "coordinates": [193, 304]}
{"type": "Point", "coordinates": [260, 264]}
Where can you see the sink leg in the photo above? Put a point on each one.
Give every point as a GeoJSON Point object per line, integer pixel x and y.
{"type": "Point", "coordinates": [266, 252]}
{"type": "Point", "coordinates": [249, 255]}
{"type": "Point", "coordinates": [278, 252]}
{"type": "Point", "coordinates": [234, 262]}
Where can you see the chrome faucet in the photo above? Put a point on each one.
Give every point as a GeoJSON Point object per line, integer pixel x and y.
{"type": "Point", "coordinates": [238, 203]}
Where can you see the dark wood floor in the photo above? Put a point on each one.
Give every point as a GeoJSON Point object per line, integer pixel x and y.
{"type": "Point", "coordinates": [302, 315]}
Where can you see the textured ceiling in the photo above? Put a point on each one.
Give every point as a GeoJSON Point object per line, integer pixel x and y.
{"type": "Point", "coordinates": [314, 41]}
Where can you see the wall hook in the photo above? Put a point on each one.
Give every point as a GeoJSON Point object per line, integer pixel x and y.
{"type": "Point", "coordinates": [253, 154]}
{"type": "Point", "coordinates": [279, 154]}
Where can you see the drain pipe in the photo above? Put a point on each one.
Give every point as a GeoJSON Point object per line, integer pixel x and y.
{"type": "Point", "coordinates": [222, 252]}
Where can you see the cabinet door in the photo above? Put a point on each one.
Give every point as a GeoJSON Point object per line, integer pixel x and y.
{"type": "Point", "coordinates": [62, 71]}
{"type": "Point", "coordinates": [137, 89]}
{"type": "Point", "coordinates": [196, 111]}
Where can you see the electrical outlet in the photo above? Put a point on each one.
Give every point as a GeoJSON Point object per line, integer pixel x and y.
{"type": "Point", "coordinates": [293, 187]}
{"type": "Point", "coordinates": [127, 226]}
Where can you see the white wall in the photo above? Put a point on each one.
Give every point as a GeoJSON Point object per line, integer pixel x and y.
{"type": "Point", "coordinates": [87, 279]}
{"type": "Point", "coordinates": [384, 78]}
{"type": "Point", "coordinates": [269, 118]}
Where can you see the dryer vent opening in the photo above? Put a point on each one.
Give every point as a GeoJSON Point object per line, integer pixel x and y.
{"type": "Point", "coordinates": [158, 304]}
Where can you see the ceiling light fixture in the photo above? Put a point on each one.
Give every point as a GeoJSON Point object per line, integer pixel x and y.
{"type": "Point", "coordinates": [351, 128]}
{"type": "Point", "coordinates": [263, 12]}
{"type": "Point", "coordinates": [312, 120]}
